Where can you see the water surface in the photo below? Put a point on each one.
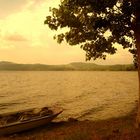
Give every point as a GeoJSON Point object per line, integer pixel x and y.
{"type": "Point", "coordinates": [82, 94]}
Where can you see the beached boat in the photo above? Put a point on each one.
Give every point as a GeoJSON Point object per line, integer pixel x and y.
{"type": "Point", "coordinates": [26, 119]}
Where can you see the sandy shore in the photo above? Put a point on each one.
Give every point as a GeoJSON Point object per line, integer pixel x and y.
{"type": "Point", "coordinates": [112, 129]}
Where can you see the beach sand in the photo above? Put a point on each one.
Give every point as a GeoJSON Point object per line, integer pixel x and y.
{"type": "Point", "coordinates": [112, 129]}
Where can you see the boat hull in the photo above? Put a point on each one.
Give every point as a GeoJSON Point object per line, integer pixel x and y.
{"type": "Point", "coordinates": [28, 124]}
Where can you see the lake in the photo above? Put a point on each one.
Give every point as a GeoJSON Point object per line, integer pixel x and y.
{"type": "Point", "coordinates": [90, 95]}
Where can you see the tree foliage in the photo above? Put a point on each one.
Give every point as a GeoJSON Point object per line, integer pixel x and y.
{"type": "Point", "coordinates": [96, 25]}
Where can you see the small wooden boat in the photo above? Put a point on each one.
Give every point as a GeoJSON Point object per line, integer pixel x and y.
{"type": "Point", "coordinates": [26, 119]}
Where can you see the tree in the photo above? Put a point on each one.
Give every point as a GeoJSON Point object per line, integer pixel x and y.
{"type": "Point", "coordinates": [96, 25]}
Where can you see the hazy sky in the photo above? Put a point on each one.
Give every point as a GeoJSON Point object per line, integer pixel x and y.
{"type": "Point", "coordinates": [25, 39]}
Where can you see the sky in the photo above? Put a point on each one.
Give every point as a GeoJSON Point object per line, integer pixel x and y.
{"type": "Point", "coordinates": [25, 39]}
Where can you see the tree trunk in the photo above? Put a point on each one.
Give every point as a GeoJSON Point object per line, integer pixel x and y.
{"type": "Point", "coordinates": [138, 59]}
{"type": "Point", "coordinates": [137, 37]}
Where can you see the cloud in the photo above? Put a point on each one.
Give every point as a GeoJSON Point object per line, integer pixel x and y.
{"type": "Point", "coordinates": [8, 7]}
{"type": "Point", "coordinates": [33, 4]}
{"type": "Point", "coordinates": [15, 37]}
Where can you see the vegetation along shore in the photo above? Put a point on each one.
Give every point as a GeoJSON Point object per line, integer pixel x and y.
{"type": "Point", "coordinates": [76, 66]}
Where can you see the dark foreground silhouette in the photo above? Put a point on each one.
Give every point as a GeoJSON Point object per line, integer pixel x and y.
{"type": "Point", "coordinates": [112, 129]}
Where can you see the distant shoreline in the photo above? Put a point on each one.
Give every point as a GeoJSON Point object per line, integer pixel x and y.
{"type": "Point", "coordinates": [76, 66]}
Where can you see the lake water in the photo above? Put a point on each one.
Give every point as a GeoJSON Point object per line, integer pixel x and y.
{"type": "Point", "coordinates": [82, 94]}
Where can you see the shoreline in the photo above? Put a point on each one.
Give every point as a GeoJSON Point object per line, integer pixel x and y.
{"type": "Point", "coordinates": [121, 128]}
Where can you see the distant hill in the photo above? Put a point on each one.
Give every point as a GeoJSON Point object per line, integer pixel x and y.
{"type": "Point", "coordinates": [76, 66]}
